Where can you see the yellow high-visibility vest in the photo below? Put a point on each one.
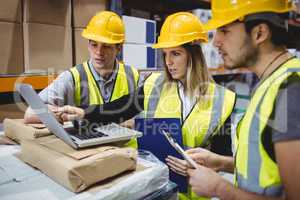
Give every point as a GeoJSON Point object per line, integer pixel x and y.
{"type": "Point", "coordinates": [255, 170]}
{"type": "Point", "coordinates": [162, 100]}
{"type": "Point", "coordinates": [88, 93]}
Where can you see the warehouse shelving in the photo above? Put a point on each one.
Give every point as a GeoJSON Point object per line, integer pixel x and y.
{"type": "Point", "coordinates": [7, 86]}
{"type": "Point", "coordinates": [41, 81]}
{"type": "Point", "coordinates": [37, 81]}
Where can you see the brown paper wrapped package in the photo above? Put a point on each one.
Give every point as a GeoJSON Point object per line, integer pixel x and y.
{"type": "Point", "coordinates": [76, 169]}
{"type": "Point", "coordinates": [16, 130]}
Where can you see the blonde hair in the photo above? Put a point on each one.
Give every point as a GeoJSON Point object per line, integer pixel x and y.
{"type": "Point", "coordinates": [197, 77]}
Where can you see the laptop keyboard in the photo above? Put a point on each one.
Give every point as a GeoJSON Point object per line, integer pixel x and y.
{"type": "Point", "coordinates": [83, 135]}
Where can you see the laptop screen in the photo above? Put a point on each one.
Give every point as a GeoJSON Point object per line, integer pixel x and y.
{"type": "Point", "coordinates": [154, 141]}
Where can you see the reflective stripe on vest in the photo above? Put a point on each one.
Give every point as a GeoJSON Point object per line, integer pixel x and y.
{"type": "Point", "coordinates": [154, 96]}
{"type": "Point", "coordinates": [257, 178]}
{"type": "Point", "coordinates": [162, 100]}
{"type": "Point", "coordinates": [84, 88]}
{"type": "Point", "coordinates": [216, 115]}
{"type": "Point", "coordinates": [87, 91]}
{"type": "Point", "coordinates": [198, 132]}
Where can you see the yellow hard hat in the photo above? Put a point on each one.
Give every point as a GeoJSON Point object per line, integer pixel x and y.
{"type": "Point", "coordinates": [227, 11]}
{"type": "Point", "coordinates": [106, 27]}
{"type": "Point", "coordinates": [180, 28]}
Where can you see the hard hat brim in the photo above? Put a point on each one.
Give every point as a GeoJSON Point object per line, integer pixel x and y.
{"type": "Point", "coordinates": [166, 45]}
{"type": "Point", "coordinates": [175, 44]}
{"type": "Point", "coordinates": [214, 24]}
{"type": "Point", "coordinates": [98, 38]}
{"type": "Point", "coordinates": [217, 23]}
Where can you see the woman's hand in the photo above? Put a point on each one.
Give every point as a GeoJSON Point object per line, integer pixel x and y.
{"type": "Point", "coordinates": [177, 165]}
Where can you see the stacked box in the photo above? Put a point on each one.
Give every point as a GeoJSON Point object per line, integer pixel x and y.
{"type": "Point", "coordinates": [47, 35]}
{"type": "Point", "coordinates": [54, 12]}
{"type": "Point", "coordinates": [139, 37]}
{"type": "Point", "coordinates": [141, 56]}
{"type": "Point", "coordinates": [11, 51]}
{"type": "Point", "coordinates": [139, 30]}
{"type": "Point", "coordinates": [81, 52]}
{"type": "Point", "coordinates": [11, 11]}
{"type": "Point", "coordinates": [83, 11]}
{"type": "Point", "coordinates": [48, 48]}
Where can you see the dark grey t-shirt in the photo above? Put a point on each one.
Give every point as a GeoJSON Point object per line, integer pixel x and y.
{"type": "Point", "coordinates": [285, 120]}
{"type": "Point", "coordinates": [287, 111]}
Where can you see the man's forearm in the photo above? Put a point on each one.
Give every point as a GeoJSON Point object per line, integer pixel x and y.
{"type": "Point", "coordinates": [30, 117]}
{"type": "Point", "coordinates": [227, 164]}
{"type": "Point", "coordinates": [118, 110]}
{"type": "Point", "coordinates": [226, 191]}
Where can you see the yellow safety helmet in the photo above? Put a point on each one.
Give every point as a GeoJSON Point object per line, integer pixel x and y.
{"type": "Point", "coordinates": [227, 11]}
{"type": "Point", "coordinates": [106, 27]}
{"type": "Point", "coordinates": [180, 28]}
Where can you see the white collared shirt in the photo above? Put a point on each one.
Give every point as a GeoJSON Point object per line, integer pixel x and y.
{"type": "Point", "coordinates": [61, 91]}
{"type": "Point", "coordinates": [187, 102]}
{"type": "Point", "coordinates": [106, 86]}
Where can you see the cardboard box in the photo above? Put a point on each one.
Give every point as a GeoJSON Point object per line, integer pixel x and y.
{"type": "Point", "coordinates": [55, 12]}
{"type": "Point", "coordinates": [141, 56]}
{"type": "Point", "coordinates": [146, 30]}
{"type": "Point", "coordinates": [84, 10]}
{"type": "Point", "coordinates": [11, 11]}
{"type": "Point", "coordinates": [47, 48]}
{"type": "Point", "coordinates": [33, 184]}
{"type": "Point", "coordinates": [77, 169]}
{"type": "Point", "coordinates": [16, 130]}
{"type": "Point", "coordinates": [11, 51]}
{"type": "Point", "coordinates": [80, 46]}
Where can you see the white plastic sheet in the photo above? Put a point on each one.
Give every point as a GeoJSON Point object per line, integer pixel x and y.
{"type": "Point", "coordinates": [21, 180]}
{"type": "Point", "coordinates": [140, 184]}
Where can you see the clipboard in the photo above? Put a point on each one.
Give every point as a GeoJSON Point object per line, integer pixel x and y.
{"type": "Point", "coordinates": [178, 148]}
{"type": "Point", "coordinates": [153, 140]}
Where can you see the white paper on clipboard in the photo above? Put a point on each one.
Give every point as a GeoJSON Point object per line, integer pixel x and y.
{"type": "Point", "coordinates": [177, 147]}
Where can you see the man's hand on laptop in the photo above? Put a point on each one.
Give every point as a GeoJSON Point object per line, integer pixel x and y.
{"type": "Point", "coordinates": [31, 118]}
{"type": "Point", "coordinates": [57, 113]}
{"type": "Point", "coordinates": [70, 113]}
{"type": "Point", "coordinates": [128, 124]}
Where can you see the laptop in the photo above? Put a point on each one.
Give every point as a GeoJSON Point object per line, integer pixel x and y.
{"type": "Point", "coordinates": [155, 141]}
{"type": "Point", "coordinates": [76, 138]}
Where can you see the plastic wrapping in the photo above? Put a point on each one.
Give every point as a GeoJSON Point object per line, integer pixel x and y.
{"type": "Point", "coordinates": [139, 185]}
{"type": "Point", "coordinates": [20, 181]}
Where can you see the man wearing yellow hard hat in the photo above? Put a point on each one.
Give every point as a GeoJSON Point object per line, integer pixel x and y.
{"type": "Point", "coordinates": [99, 80]}
{"type": "Point", "coordinates": [253, 34]}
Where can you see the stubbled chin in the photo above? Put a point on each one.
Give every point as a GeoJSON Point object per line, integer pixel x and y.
{"type": "Point", "coordinates": [231, 66]}
{"type": "Point", "coordinates": [227, 63]}
{"type": "Point", "coordinates": [99, 65]}
{"type": "Point", "coordinates": [228, 66]}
